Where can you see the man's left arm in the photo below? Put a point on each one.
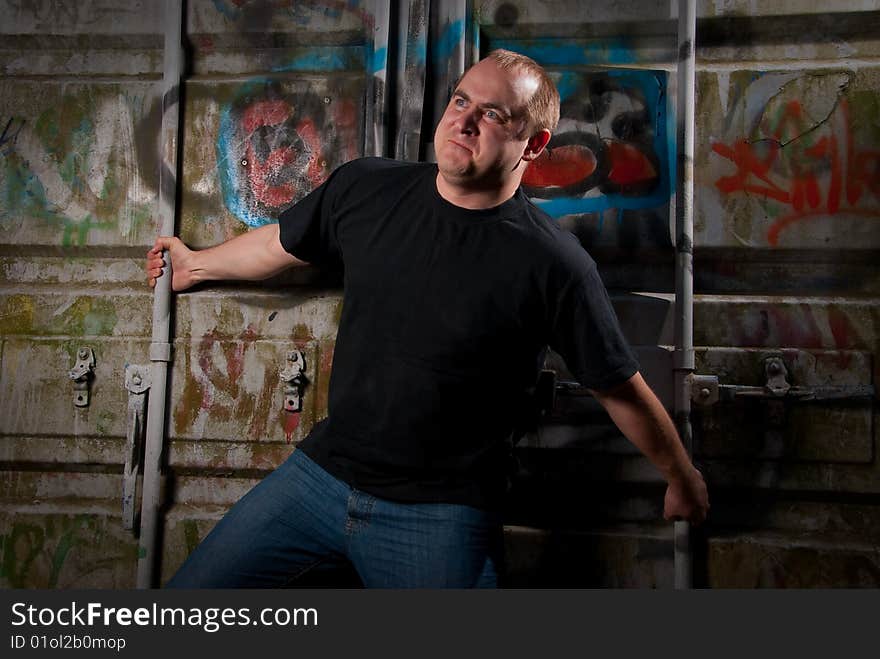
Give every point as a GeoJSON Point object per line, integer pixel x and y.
{"type": "Point", "coordinates": [644, 421]}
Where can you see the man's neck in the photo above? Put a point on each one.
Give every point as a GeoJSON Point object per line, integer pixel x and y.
{"type": "Point", "coordinates": [474, 199]}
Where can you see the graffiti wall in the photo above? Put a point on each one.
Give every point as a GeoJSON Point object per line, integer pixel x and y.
{"type": "Point", "coordinates": [608, 172]}
{"type": "Point", "coordinates": [69, 167]}
{"type": "Point", "coordinates": [611, 148]}
{"type": "Point", "coordinates": [792, 159]}
{"type": "Point", "coordinates": [280, 92]}
{"type": "Point", "coordinates": [786, 232]}
{"type": "Point", "coordinates": [262, 145]}
{"type": "Point", "coordinates": [276, 99]}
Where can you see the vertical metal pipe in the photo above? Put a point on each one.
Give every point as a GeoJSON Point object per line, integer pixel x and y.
{"type": "Point", "coordinates": [376, 124]}
{"type": "Point", "coordinates": [684, 274]}
{"type": "Point", "coordinates": [160, 348]}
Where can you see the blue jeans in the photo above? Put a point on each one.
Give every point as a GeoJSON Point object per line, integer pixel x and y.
{"type": "Point", "coordinates": [300, 520]}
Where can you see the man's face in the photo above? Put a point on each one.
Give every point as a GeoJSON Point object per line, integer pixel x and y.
{"type": "Point", "coordinates": [484, 131]}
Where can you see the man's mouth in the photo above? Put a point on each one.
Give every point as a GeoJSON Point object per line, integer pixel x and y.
{"type": "Point", "coordinates": [460, 145]}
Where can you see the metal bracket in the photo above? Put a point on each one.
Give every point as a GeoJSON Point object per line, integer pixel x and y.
{"type": "Point", "coordinates": [776, 372]}
{"type": "Point", "coordinates": [137, 382]}
{"type": "Point", "coordinates": [705, 389]}
{"type": "Point", "coordinates": [81, 374]}
{"type": "Point", "coordinates": [294, 378]}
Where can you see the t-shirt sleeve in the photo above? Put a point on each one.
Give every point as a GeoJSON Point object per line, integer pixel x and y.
{"type": "Point", "coordinates": [585, 330]}
{"type": "Point", "coordinates": [308, 228]}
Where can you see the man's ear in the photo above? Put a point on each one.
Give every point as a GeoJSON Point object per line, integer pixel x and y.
{"type": "Point", "coordinates": [536, 144]}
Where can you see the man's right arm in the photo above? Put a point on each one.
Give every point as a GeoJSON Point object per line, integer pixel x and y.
{"type": "Point", "coordinates": [252, 256]}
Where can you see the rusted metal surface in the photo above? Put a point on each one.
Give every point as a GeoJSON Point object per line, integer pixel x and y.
{"type": "Point", "coordinates": [79, 165]}
{"type": "Point", "coordinates": [786, 205]}
{"type": "Point", "coordinates": [792, 561]}
{"type": "Point", "coordinates": [790, 429]}
{"type": "Point", "coordinates": [91, 17]}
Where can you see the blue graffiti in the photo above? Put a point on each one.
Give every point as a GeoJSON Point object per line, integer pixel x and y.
{"type": "Point", "coordinates": [450, 40]}
{"type": "Point", "coordinates": [651, 88]}
{"type": "Point", "coordinates": [378, 60]}
{"type": "Point", "coordinates": [567, 83]}
{"type": "Point", "coordinates": [557, 52]}
{"type": "Point", "coordinates": [642, 126]}
{"type": "Point", "coordinates": [417, 44]}
{"type": "Point", "coordinates": [325, 59]}
{"type": "Point", "coordinates": [232, 195]}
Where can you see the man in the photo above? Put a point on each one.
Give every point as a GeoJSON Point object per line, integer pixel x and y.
{"type": "Point", "coordinates": [454, 284]}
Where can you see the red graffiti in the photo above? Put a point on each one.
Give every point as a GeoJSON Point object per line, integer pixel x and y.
{"type": "Point", "coordinates": [225, 377]}
{"type": "Point", "coordinates": [568, 165]}
{"type": "Point", "coordinates": [629, 165]}
{"type": "Point", "coordinates": [309, 133]}
{"type": "Point", "coordinates": [266, 166]}
{"type": "Point", "coordinates": [233, 352]}
{"type": "Point", "coordinates": [801, 325]}
{"type": "Point", "coordinates": [851, 171]}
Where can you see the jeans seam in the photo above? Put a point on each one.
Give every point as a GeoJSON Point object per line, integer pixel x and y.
{"type": "Point", "coordinates": [352, 525]}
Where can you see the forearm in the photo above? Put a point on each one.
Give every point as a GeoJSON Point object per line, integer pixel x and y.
{"type": "Point", "coordinates": [252, 256]}
{"type": "Point", "coordinates": [644, 421]}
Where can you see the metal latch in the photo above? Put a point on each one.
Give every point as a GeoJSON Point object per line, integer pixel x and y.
{"type": "Point", "coordinates": [705, 389]}
{"type": "Point", "coordinates": [137, 382]}
{"type": "Point", "coordinates": [294, 377]}
{"type": "Point", "coordinates": [81, 374]}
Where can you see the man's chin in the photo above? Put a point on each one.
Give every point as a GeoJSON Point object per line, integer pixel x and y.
{"type": "Point", "coordinates": [456, 173]}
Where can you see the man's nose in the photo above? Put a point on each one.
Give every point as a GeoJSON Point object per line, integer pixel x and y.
{"type": "Point", "coordinates": [466, 121]}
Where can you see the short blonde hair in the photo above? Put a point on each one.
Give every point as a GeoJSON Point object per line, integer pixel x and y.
{"type": "Point", "coordinates": [543, 107]}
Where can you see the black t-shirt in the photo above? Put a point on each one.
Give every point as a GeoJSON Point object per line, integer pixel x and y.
{"type": "Point", "coordinates": [446, 312]}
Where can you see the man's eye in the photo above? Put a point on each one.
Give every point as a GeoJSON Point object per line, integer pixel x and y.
{"type": "Point", "coordinates": [460, 102]}
{"type": "Point", "coordinates": [491, 114]}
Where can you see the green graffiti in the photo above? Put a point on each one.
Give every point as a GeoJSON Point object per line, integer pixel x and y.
{"type": "Point", "coordinates": [89, 317]}
{"type": "Point", "coordinates": [53, 174]}
{"type": "Point", "coordinates": [65, 544]}
{"type": "Point", "coordinates": [20, 548]}
{"type": "Point", "coordinates": [22, 191]}
{"type": "Point", "coordinates": [30, 554]}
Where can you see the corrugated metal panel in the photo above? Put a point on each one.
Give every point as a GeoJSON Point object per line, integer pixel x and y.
{"type": "Point", "coordinates": [280, 93]}
{"type": "Point", "coordinates": [785, 250]}
{"type": "Point", "coordinates": [276, 98]}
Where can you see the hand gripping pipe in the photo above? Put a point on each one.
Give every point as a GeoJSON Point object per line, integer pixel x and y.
{"type": "Point", "coordinates": [684, 273]}
{"type": "Point", "coordinates": [160, 348]}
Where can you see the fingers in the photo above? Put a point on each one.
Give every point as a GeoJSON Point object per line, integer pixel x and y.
{"type": "Point", "coordinates": [684, 506]}
{"type": "Point", "coordinates": [162, 243]}
{"type": "Point", "coordinates": [155, 261]}
{"type": "Point", "coordinates": [153, 275]}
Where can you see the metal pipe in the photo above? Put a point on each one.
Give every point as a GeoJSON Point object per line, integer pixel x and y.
{"type": "Point", "coordinates": [684, 273]}
{"type": "Point", "coordinates": [160, 348]}
{"type": "Point", "coordinates": [375, 131]}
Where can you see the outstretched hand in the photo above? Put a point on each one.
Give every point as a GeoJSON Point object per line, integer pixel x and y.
{"type": "Point", "coordinates": [687, 498]}
{"type": "Point", "coordinates": [180, 256]}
